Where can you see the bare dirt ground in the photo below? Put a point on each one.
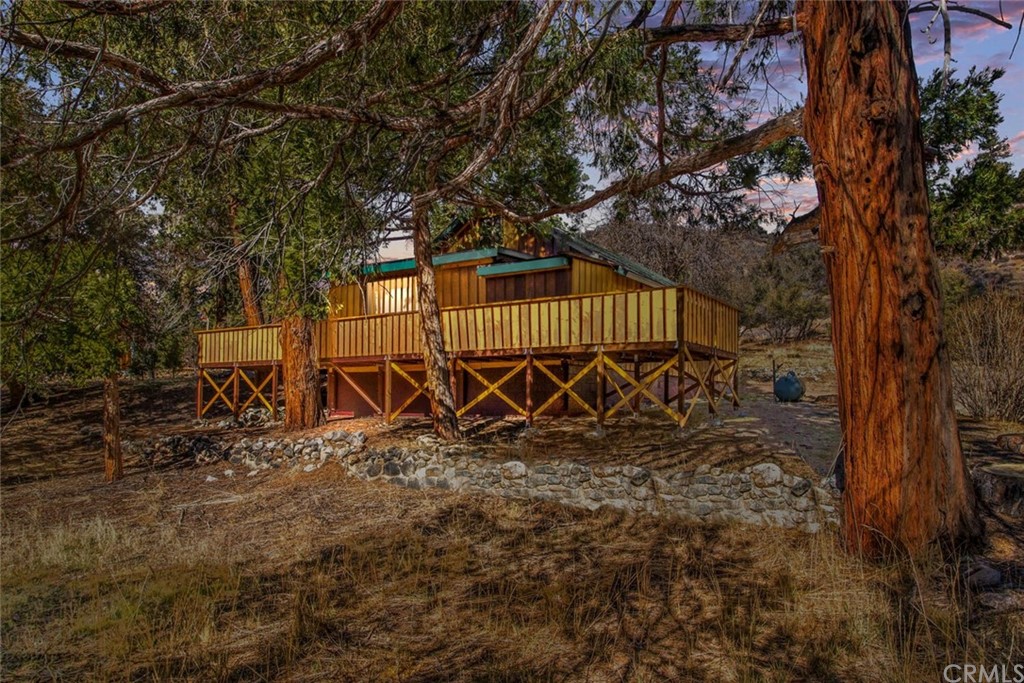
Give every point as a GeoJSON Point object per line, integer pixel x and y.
{"type": "Point", "coordinates": [294, 576]}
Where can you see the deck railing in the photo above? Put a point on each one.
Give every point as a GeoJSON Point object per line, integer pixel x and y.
{"type": "Point", "coordinates": [616, 320]}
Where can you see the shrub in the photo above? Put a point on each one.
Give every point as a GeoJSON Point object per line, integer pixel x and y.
{"type": "Point", "coordinates": [986, 344]}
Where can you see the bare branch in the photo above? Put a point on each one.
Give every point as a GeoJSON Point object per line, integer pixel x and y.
{"type": "Point", "coordinates": [800, 230]}
{"type": "Point", "coordinates": [716, 33]}
{"type": "Point", "coordinates": [71, 50]}
{"type": "Point", "coordinates": [66, 215]}
{"type": "Point", "coordinates": [118, 7]}
{"type": "Point", "coordinates": [932, 6]}
{"type": "Point", "coordinates": [780, 128]}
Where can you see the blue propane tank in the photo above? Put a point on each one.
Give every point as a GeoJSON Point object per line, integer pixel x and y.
{"type": "Point", "coordinates": [789, 388]}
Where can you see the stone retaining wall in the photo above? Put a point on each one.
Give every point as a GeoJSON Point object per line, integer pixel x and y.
{"type": "Point", "coordinates": [762, 494]}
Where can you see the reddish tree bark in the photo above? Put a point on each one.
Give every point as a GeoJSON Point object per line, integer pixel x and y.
{"type": "Point", "coordinates": [300, 366]}
{"type": "Point", "coordinates": [906, 484]}
{"type": "Point", "coordinates": [246, 273]}
{"type": "Point", "coordinates": [113, 460]}
{"type": "Point", "coordinates": [435, 360]}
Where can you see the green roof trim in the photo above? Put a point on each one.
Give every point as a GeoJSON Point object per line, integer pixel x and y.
{"type": "Point", "coordinates": [385, 267]}
{"type": "Point", "coordinates": [439, 260]}
{"type": "Point", "coordinates": [629, 267]}
{"type": "Point", "coordinates": [553, 263]}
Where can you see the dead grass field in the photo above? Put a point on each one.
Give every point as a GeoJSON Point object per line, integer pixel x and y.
{"type": "Point", "coordinates": [308, 577]}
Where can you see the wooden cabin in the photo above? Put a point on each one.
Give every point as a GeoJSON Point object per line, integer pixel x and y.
{"type": "Point", "coordinates": [534, 324]}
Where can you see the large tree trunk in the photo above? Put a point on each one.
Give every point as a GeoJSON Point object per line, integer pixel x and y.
{"type": "Point", "coordinates": [906, 485]}
{"type": "Point", "coordinates": [435, 360]}
{"type": "Point", "coordinates": [246, 273]}
{"type": "Point", "coordinates": [300, 365]}
{"type": "Point", "coordinates": [113, 461]}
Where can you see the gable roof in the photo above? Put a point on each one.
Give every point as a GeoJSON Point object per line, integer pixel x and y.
{"type": "Point", "coordinates": [625, 266]}
{"type": "Point", "coordinates": [565, 241]}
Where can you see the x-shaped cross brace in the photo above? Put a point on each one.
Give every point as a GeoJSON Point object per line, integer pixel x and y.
{"type": "Point", "coordinates": [218, 392]}
{"type": "Point", "coordinates": [642, 387]}
{"type": "Point", "coordinates": [492, 388]}
{"type": "Point", "coordinates": [420, 389]}
{"type": "Point", "coordinates": [257, 391]}
{"type": "Point", "coordinates": [566, 388]}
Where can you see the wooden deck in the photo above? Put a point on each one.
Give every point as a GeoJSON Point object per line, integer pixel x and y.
{"type": "Point", "coordinates": [593, 353]}
{"type": "Point", "coordinates": [622, 321]}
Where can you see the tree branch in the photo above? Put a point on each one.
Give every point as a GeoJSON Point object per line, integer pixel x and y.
{"type": "Point", "coordinates": [65, 48]}
{"type": "Point", "coordinates": [292, 71]}
{"type": "Point", "coordinates": [122, 8]}
{"type": "Point", "coordinates": [800, 230]}
{"type": "Point", "coordinates": [780, 128]}
{"type": "Point", "coordinates": [716, 33]}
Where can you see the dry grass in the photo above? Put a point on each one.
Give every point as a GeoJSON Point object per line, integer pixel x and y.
{"type": "Point", "coordinates": [308, 577]}
{"type": "Point", "coordinates": [314, 577]}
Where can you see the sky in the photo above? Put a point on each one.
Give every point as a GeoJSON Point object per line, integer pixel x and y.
{"type": "Point", "coordinates": [976, 41]}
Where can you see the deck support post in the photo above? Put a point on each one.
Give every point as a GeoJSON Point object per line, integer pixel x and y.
{"type": "Point", "coordinates": [234, 392]}
{"type": "Point", "coordinates": [565, 380]}
{"type": "Point", "coordinates": [199, 394]}
{"type": "Point", "coordinates": [387, 390]}
{"type": "Point", "coordinates": [602, 388]}
{"type": "Point", "coordinates": [273, 392]}
{"type": "Point", "coordinates": [736, 383]}
{"type": "Point", "coordinates": [332, 388]}
{"type": "Point", "coordinates": [637, 377]}
{"type": "Point", "coordinates": [529, 388]}
{"type": "Point", "coordinates": [463, 385]}
{"type": "Point", "coordinates": [713, 368]}
{"type": "Point", "coordinates": [664, 387]}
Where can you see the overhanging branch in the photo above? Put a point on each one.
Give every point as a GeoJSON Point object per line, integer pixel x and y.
{"type": "Point", "coordinates": [780, 128]}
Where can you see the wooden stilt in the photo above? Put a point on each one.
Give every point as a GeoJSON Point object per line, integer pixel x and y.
{"type": "Point", "coordinates": [199, 394]}
{"type": "Point", "coordinates": [332, 389]}
{"type": "Point", "coordinates": [273, 392]}
{"type": "Point", "coordinates": [529, 388]}
{"type": "Point", "coordinates": [387, 391]}
{"type": "Point", "coordinates": [380, 388]}
{"type": "Point", "coordinates": [565, 380]}
{"type": "Point", "coordinates": [463, 386]}
{"type": "Point", "coordinates": [234, 392]}
{"type": "Point", "coordinates": [665, 388]}
{"type": "Point", "coordinates": [637, 377]}
{"type": "Point", "coordinates": [712, 387]}
{"type": "Point", "coordinates": [602, 389]}
{"type": "Point", "coordinates": [736, 383]}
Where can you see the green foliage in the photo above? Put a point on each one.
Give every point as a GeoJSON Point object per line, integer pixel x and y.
{"type": "Point", "coordinates": [980, 213]}
{"type": "Point", "coordinates": [80, 329]}
{"type": "Point", "coordinates": [965, 113]}
{"type": "Point", "coordinates": [785, 295]}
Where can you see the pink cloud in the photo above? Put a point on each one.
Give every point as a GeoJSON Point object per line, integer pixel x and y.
{"type": "Point", "coordinates": [1017, 143]}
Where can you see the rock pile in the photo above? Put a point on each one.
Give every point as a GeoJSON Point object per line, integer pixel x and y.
{"type": "Point", "coordinates": [178, 450]}
{"type": "Point", "coordinates": [308, 453]}
{"type": "Point", "coordinates": [762, 494]}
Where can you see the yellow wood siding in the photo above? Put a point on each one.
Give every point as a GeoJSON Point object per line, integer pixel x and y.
{"type": "Point", "coordinates": [455, 287]}
{"type": "Point", "coordinates": [345, 301]}
{"type": "Point", "coordinates": [591, 278]}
